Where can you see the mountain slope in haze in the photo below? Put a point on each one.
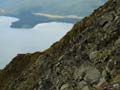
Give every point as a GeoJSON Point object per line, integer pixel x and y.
{"type": "Point", "coordinates": [24, 10]}
{"type": "Point", "coordinates": [86, 58]}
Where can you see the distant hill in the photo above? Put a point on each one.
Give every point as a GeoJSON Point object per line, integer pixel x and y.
{"type": "Point", "coordinates": [24, 10]}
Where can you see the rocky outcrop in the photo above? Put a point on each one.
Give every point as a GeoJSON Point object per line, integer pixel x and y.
{"type": "Point", "coordinates": [86, 58]}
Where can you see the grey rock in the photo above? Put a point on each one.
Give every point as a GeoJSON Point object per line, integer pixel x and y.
{"type": "Point", "coordinates": [64, 87]}
{"type": "Point", "coordinates": [86, 88]}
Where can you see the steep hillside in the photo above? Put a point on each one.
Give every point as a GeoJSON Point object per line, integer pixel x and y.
{"type": "Point", "coordinates": [86, 58]}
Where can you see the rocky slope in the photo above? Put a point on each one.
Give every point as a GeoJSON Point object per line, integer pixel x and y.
{"type": "Point", "coordinates": [86, 58]}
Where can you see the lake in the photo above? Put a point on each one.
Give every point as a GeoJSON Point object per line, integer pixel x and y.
{"type": "Point", "coordinates": [15, 41]}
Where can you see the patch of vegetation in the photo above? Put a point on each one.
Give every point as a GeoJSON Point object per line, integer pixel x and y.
{"type": "Point", "coordinates": [117, 78]}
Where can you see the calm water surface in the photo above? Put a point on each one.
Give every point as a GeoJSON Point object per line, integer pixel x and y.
{"type": "Point", "coordinates": [39, 38]}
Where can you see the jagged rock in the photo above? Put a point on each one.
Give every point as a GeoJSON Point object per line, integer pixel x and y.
{"type": "Point", "coordinates": [64, 87]}
{"type": "Point", "coordinates": [86, 88]}
{"type": "Point", "coordinates": [81, 84]}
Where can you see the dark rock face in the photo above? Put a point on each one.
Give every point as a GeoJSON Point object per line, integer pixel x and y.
{"type": "Point", "coordinates": [87, 58]}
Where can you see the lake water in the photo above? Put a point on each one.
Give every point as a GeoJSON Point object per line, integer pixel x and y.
{"type": "Point", "coordinates": [39, 38]}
